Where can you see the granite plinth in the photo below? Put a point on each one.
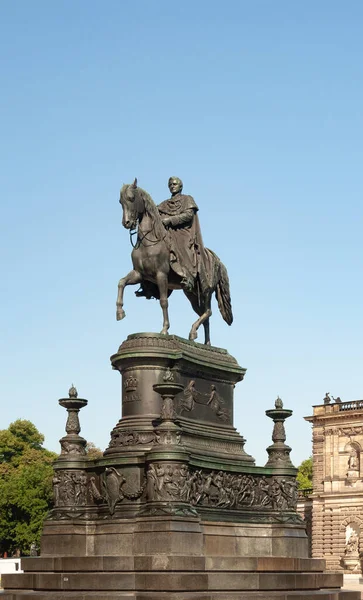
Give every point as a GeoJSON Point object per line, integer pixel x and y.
{"type": "Point", "coordinates": [180, 578]}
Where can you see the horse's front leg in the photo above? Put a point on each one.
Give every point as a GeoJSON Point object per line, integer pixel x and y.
{"type": "Point", "coordinates": [162, 282]}
{"type": "Point", "coordinates": [130, 279]}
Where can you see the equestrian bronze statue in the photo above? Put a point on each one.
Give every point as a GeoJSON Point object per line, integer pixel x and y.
{"type": "Point", "coordinates": [169, 255]}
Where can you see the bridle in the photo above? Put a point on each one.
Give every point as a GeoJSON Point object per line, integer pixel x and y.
{"type": "Point", "coordinates": [140, 239]}
{"type": "Point", "coordinates": [141, 236]}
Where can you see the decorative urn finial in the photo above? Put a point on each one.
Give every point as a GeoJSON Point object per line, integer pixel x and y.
{"type": "Point", "coordinates": [72, 392]}
{"type": "Point", "coordinates": [279, 403]}
{"type": "Point", "coordinates": [279, 452]}
{"type": "Point", "coordinates": [73, 443]}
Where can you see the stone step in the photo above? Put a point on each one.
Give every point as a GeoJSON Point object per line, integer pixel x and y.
{"type": "Point", "coordinates": [31, 595]}
{"type": "Point", "coordinates": [172, 581]}
{"type": "Point", "coordinates": [249, 595]}
{"type": "Point", "coordinates": [170, 563]}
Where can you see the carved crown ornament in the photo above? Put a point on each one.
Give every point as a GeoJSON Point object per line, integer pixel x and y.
{"type": "Point", "coordinates": [130, 384]}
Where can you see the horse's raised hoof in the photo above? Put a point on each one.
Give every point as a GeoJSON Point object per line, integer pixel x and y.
{"type": "Point", "coordinates": [120, 314]}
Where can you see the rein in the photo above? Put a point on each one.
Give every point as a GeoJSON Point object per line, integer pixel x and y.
{"type": "Point", "coordinates": [133, 232]}
{"type": "Point", "coordinates": [141, 236]}
{"type": "Point", "coordinates": [139, 239]}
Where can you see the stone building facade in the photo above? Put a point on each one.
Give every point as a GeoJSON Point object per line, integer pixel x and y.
{"type": "Point", "coordinates": [337, 498]}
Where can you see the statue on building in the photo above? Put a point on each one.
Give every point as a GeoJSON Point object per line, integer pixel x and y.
{"type": "Point", "coordinates": [353, 460]}
{"type": "Point", "coordinates": [352, 543]}
{"type": "Point", "coordinates": [327, 398]}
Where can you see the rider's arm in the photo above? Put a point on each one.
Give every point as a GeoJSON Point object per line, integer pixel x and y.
{"type": "Point", "coordinates": [184, 218]}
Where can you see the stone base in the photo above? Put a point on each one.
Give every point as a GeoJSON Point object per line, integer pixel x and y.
{"type": "Point", "coordinates": [176, 509]}
{"type": "Point", "coordinates": [161, 577]}
{"type": "Point", "coordinates": [177, 558]}
{"type": "Point", "coordinates": [171, 536]}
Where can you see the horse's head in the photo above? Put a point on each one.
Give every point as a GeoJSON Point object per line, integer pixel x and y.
{"type": "Point", "coordinates": [132, 205]}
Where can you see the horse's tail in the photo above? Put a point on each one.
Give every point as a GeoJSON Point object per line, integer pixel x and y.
{"type": "Point", "coordinates": [223, 295]}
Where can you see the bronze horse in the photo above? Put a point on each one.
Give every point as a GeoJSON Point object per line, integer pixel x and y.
{"type": "Point", "coordinates": [151, 262]}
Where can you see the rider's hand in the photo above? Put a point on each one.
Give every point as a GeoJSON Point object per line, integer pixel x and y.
{"type": "Point", "coordinates": [167, 221]}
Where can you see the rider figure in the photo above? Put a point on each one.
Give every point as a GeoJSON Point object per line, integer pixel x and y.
{"type": "Point", "coordinates": [179, 216]}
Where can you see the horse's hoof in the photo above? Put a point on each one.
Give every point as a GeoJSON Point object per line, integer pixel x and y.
{"type": "Point", "coordinates": [193, 336]}
{"type": "Point", "coordinates": [120, 314]}
{"type": "Point", "coordinates": [164, 331]}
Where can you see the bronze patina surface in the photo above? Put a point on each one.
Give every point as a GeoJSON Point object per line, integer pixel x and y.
{"type": "Point", "coordinates": [169, 254]}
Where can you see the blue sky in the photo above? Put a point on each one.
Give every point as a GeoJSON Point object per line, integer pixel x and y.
{"type": "Point", "coordinates": [257, 106]}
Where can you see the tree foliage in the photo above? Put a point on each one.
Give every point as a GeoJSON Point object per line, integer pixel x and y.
{"type": "Point", "coordinates": [93, 451]}
{"type": "Point", "coordinates": [305, 474]}
{"type": "Point", "coordinates": [25, 485]}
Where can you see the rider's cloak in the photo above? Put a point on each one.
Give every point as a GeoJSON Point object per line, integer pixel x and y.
{"type": "Point", "coordinates": [187, 252]}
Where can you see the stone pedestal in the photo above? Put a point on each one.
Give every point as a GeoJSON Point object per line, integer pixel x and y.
{"type": "Point", "coordinates": [176, 509]}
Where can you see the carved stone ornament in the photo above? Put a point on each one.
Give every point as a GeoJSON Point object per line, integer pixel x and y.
{"type": "Point", "coordinates": [116, 490]}
{"type": "Point", "coordinates": [167, 410]}
{"type": "Point", "coordinates": [219, 489]}
{"type": "Point", "coordinates": [167, 482]}
{"type": "Point", "coordinates": [168, 376]}
{"type": "Point", "coordinates": [73, 443]}
{"type": "Point", "coordinates": [130, 387]}
{"type": "Point", "coordinates": [73, 447]}
{"type": "Point", "coordinates": [168, 388]}
{"type": "Point", "coordinates": [350, 559]}
{"type": "Point", "coordinates": [213, 400]}
{"type": "Point", "coordinates": [130, 383]}
{"type": "Point", "coordinates": [70, 488]}
{"type": "Point", "coordinates": [352, 544]}
{"type": "Point", "coordinates": [127, 437]}
{"type": "Point", "coordinates": [353, 462]}
{"type": "Point", "coordinates": [94, 493]}
{"type": "Point", "coordinates": [279, 452]}
{"type": "Point", "coordinates": [167, 437]}
{"type": "Point", "coordinates": [73, 425]}
{"type": "Point", "coordinates": [332, 431]}
{"type": "Point", "coordinates": [72, 392]}
{"type": "Point", "coordinates": [349, 431]}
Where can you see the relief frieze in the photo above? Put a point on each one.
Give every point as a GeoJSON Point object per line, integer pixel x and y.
{"type": "Point", "coordinates": [70, 488]}
{"type": "Point", "coordinates": [191, 397]}
{"type": "Point", "coordinates": [219, 489]}
{"type": "Point", "coordinates": [127, 437]}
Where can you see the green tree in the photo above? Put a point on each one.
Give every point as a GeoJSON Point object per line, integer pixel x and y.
{"type": "Point", "coordinates": [93, 451]}
{"type": "Point", "coordinates": [305, 474]}
{"type": "Point", "coordinates": [25, 485]}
